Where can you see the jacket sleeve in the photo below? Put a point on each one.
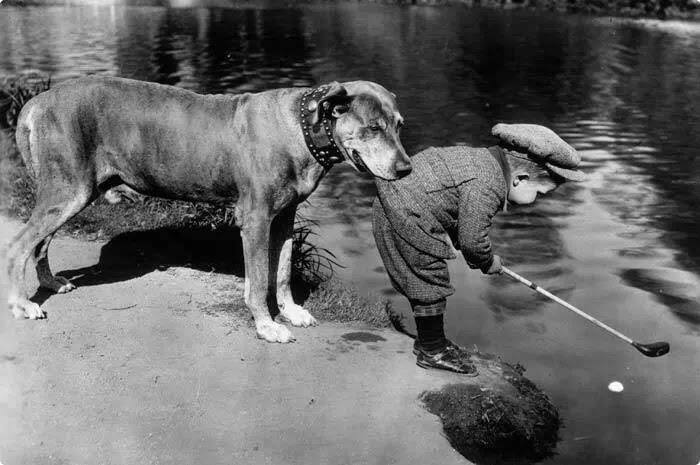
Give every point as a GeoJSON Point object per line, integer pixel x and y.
{"type": "Point", "coordinates": [478, 204]}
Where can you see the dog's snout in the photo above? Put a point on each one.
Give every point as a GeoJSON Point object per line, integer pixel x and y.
{"type": "Point", "coordinates": [403, 167]}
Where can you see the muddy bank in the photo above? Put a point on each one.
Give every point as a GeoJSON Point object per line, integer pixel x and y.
{"type": "Point", "coordinates": [501, 417]}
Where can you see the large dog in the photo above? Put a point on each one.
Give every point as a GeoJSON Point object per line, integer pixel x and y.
{"type": "Point", "coordinates": [262, 153]}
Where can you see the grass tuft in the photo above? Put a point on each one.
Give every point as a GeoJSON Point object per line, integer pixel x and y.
{"type": "Point", "coordinates": [15, 91]}
{"type": "Point", "coordinates": [511, 424]}
{"type": "Point", "coordinates": [312, 263]}
{"type": "Point", "coordinates": [16, 187]}
{"type": "Point", "coordinates": [334, 300]}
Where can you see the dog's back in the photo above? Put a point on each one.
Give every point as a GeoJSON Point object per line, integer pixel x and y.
{"type": "Point", "coordinates": [100, 128]}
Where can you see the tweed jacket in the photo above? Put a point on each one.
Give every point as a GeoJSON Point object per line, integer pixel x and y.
{"type": "Point", "coordinates": [449, 199]}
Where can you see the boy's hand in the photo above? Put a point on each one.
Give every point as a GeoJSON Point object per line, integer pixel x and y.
{"type": "Point", "coordinates": [496, 266]}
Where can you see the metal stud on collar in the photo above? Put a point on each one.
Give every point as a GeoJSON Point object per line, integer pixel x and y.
{"type": "Point", "coordinates": [319, 137]}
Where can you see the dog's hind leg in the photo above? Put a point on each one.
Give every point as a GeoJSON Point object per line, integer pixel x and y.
{"type": "Point", "coordinates": [259, 275]}
{"type": "Point", "coordinates": [53, 209]}
{"type": "Point", "coordinates": [282, 238]}
{"type": "Point", "coordinates": [47, 280]}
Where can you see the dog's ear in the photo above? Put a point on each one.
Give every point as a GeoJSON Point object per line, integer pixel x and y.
{"type": "Point", "coordinates": [334, 103]}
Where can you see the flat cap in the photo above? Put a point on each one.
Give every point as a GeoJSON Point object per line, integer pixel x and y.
{"type": "Point", "coordinates": [542, 145]}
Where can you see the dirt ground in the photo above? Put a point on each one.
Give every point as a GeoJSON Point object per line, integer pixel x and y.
{"type": "Point", "coordinates": [147, 368]}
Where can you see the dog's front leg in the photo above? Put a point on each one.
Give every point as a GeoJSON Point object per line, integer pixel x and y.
{"type": "Point", "coordinates": [259, 287]}
{"type": "Point", "coordinates": [283, 234]}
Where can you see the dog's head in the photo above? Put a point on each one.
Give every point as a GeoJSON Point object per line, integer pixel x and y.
{"type": "Point", "coordinates": [367, 125]}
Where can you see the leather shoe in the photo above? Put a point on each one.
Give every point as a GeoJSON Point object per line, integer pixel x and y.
{"type": "Point", "coordinates": [450, 358]}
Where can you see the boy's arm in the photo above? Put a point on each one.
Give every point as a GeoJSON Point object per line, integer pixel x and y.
{"type": "Point", "coordinates": [478, 204]}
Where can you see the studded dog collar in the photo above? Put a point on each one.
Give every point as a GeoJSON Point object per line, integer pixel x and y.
{"type": "Point", "coordinates": [318, 132]}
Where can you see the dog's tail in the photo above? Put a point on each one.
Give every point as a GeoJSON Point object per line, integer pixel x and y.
{"type": "Point", "coordinates": [23, 134]}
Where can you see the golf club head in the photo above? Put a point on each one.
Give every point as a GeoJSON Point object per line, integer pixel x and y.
{"type": "Point", "coordinates": [655, 349]}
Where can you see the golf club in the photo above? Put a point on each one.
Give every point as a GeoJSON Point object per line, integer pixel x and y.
{"type": "Point", "coordinates": [654, 349]}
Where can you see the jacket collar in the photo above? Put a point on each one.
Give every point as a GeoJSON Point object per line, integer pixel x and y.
{"type": "Point", "coordinates": [318, 131]}
{"type": "Point", "coordinates": [500, 157]}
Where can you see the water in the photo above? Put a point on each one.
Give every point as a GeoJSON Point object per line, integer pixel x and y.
{"type": "Point", "coordinates": [622, 246]}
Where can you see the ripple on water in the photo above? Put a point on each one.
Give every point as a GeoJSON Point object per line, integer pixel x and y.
{"type": "Point", "coordinates": [645, 251]}
{"type": "Point", "coordinates": [677, 290]}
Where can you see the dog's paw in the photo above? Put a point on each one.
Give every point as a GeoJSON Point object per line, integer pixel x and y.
{"type": "Point", "coordinates": [59, 285]}
{"type": "Point", "coordinates": [274, 332]}
{"type": "Point", "coordinates": [27, 309]}
{"type": "Point", "coordinates": [297, 315]}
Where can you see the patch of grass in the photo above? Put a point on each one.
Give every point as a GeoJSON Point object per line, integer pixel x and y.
{"type": "Point", "coordinates": [15, 91]}
{"type": "Point", "coordinates": [515, 425]}
{"type": "Point", "coordinates": [334, 300]}
{"type": "Point", "coordinates": [16, 187]}
{"type": "Point", "coordinates": [103, 220]}
{"type": "Point", "coordinates": [312, 263]}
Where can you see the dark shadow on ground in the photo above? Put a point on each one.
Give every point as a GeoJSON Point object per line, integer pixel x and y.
{"type": "Point", "coordinates": [134, 254]}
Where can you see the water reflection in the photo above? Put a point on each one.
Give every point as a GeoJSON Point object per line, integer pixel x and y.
{"type": "Point", "coordinates": [529, 236]}
{"type": "Point", "coordinates": [675, 289]}
{"type": "Point", "coordinates": [216, 51]}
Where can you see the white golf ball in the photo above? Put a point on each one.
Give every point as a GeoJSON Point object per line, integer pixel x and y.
{"type": "Point", "coordinates": [616, 386]}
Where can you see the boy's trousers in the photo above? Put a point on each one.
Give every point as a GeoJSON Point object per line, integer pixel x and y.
{"type": "Point", "coordinates": [423, 278]}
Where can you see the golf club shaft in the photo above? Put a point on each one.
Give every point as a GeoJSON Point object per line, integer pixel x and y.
{"type": "Point", "coordinates": [564, 303]}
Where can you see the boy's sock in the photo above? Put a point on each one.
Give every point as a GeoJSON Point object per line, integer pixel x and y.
{"type": "Point", "coordinates": [431, 333]}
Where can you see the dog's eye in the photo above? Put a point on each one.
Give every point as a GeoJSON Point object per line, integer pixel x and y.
{"type": "Point", "coordinates": [375, 127]}
{"type": "Point", "coordinates": [399, 125]}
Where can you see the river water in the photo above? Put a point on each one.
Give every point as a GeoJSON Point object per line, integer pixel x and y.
{"type": "Point", "coordinates": [622, 245]}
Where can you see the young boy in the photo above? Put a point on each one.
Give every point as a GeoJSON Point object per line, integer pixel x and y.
{"type": "Point", "coordinates": [450, 199]}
